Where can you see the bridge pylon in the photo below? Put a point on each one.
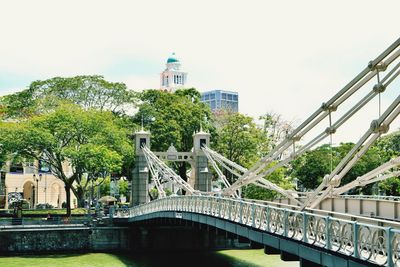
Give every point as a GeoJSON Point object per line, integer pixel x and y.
{"type": "Point", "coordinates": [202, 173]}
{"type": "Point", "coordinates": [140, 175]}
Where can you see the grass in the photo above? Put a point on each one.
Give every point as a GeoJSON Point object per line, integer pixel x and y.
{"type": "Point", "coordinates": [67, 260]}
{"type": "Point", "coordinates": [226, 258]}
{"type": "Point", "coordinates": [77, 211]}
{"type": "Point", "coordinates": [80, 211]}
{"type": "Point", "coordinates": [254, 258]}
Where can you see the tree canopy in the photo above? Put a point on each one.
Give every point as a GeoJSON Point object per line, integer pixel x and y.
{"type": "Point", "coordinates": [90, 141]}
{"type": "Point", "coordinates": [312, 166]}
{"type": "Point", "coordinates": [172, 118]}
{"type": "Point", "coordinates": [90, 92]}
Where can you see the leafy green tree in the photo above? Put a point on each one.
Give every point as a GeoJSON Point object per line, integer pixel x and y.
{"type": "Point", "coordinates": [278, 177]}
{"type": "Point", "coordinates": [238, 138]}
{"type": "Point", "coordinates": [90, 141]}
{"type": "Point", "coordinates": [123, 186]}
{"type": "Point", "coordinates": [172, 118]}
{"type": "Point", "coordinates": [389, 146]}
{"type": "Point", "coordinates": [90, 92]}
{"type": "Point", "coordinates": [312, 166]}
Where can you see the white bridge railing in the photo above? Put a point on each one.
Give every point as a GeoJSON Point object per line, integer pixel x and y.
{"type": "Point", "coordinates": [372, 243]}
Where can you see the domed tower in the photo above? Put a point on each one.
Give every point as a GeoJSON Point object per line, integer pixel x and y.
{"type": "Point", "coordinates": [172, 77]}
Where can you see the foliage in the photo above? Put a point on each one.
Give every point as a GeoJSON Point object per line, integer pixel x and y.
{"type": "Point", "coordinates": [278, 177]}
{"type": "Point", "coordinates": [23, 202]}
{"type": "Point", "coordinates": [153, 193]}
{"type": "Point", "coordinates": [90, 141]}
{"type": "Point", "coordinates": [275, 128]}
{"type": "Point", "coordinates": [391, 186]}
{"type": "Point", "coordinates": [312, 166]}
{"type": "Point", "coordinates": [44, 206]}
{"type": "Point", "coordinates": [238, 138]}
{"type": "Point", "coordinates": [77, 211]}
{"type": "Point", "coordinates": [90, 92]}
{"type": "Point", "coordinates": [105, 186]}
{"type": "Point", "coordinates": [172, 118]}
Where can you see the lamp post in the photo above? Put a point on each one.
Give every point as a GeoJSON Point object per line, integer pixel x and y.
{"type": "Point", "coordinates": [45, 187]}
{"type": "Point", "coordinates": [33, 196]}
{"type": "Point", "coordinates": [36, 178]}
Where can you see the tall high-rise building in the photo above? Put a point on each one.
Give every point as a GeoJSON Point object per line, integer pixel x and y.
{"type": "Point", "coordinates": [221, 100]}
{"type": "Point", "coordinates": [172, 77]}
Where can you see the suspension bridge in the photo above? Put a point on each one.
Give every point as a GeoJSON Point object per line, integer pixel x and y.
{"type": "Point", "coordinates": [320, 228]}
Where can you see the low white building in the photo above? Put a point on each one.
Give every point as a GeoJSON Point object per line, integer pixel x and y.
{"type": "Point", "coordinates": [34, 182]}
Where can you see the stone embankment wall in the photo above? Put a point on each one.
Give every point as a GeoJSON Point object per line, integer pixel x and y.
{"type": "Point", "coordinates": [36, 240]}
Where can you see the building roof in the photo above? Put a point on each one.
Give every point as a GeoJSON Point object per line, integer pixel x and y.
{"type": "Point", "coordinates": [221, 91]}
{"type": "Point", "coordinates": [172, 59]}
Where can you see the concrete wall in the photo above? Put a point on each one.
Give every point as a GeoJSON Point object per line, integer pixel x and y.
{"type": "Point", "coordinates": [63, 239]}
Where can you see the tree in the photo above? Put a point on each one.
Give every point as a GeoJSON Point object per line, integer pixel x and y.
{"type": "Point", "coordinates": [238, 138]}
{"type": "Point", "coordinates": [278, 177]}
{"type": "Point", "coordinates": [90, 92]}
{"type": "Point", "coordinates": [312, 166]}
{"type": "Point", "coordinates": [90, 141]}
{"type": "Point", "coordinates": [172, 118]}
{"type": "Point", "coordinates": [389, 146]}
{"type": "Point", "coordinates": [275, 128]}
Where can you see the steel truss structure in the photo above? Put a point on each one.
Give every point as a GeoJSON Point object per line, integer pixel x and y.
{"type": "Point", "coordinates": [280, 155]}
{"type": "Point", "coordinates": [376, 68]}
{"type": "Point", "coordinates": [162, 173]}
{"type": "Point", "coordinates": [238, 170]}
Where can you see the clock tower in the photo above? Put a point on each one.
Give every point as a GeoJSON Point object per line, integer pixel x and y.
{"type": "Point", "coordinates": [172, 77]}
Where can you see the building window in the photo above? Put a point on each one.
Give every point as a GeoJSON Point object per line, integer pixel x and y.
{"type": "Point", "coordinates": [235, 97]}
{"type": "Point", "coordinates": [229, 97]}
{"type": "Point", "coordinates": [223, 96]}
{"type": "Point", "coordinates": [212, 105]}
{"type": "Point", "coordinates": [16, 166]}
{"type": "Point", "coordinates": [142, 142]}
{"type": "Point", "coordinates": [203, 142]}
{"type": "Point", "coordinates": [44, 167]}
{"type": "Point", "coordinates": [212, 96]}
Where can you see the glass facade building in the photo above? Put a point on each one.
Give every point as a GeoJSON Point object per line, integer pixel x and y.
{"type": "Point", "coordinates": [221, 100]}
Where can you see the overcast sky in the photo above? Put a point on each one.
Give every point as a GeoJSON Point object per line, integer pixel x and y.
{"type": "Point", "coordinates": [282, 56]}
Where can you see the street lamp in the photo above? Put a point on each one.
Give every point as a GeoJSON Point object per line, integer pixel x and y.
{"type": "Point", "coordinates": [45, 187]}
{"type": "Point", "coordinates": [33, 196]}
{"type": "Point", "coordinates": [36, 178]}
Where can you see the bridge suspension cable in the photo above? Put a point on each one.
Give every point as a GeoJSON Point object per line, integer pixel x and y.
{"type": "Point", "coordinates": [162, 170]}
{"type": "Point", "coordinates": [156, 176]}
{"type": "Point", "coordinates": [383, 172]}
{"type": "Point", "coordinates": [220, 174]}
{"type": "Point", "coordinates": [377, 128]}
{"type": "Point", "coordinates": [380, 64]}
{"type": "Point", "coordinates": [214, 156]}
